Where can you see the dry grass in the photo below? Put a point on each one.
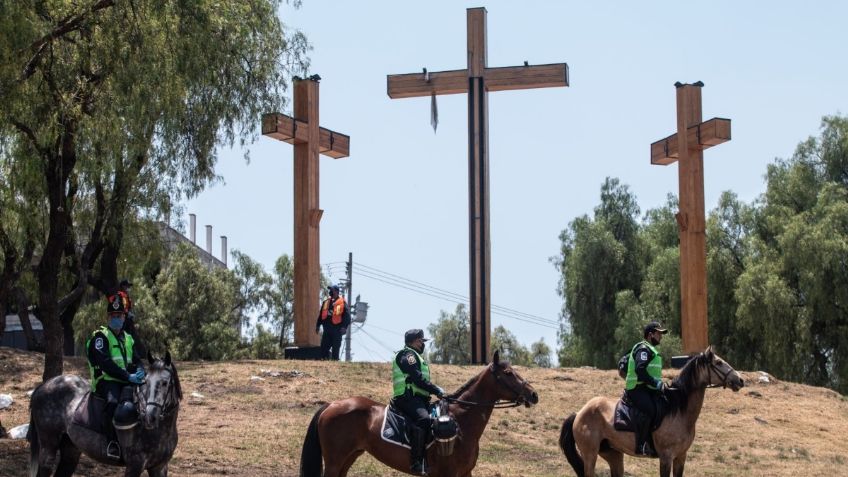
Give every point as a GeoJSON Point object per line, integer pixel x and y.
{"type": "Point", "coordinates": [255, 428]}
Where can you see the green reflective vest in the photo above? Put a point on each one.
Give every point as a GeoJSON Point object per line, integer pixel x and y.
{"type": "Point", "coordinates": [654, 368]}
{"type": "Point", "coordinates": [399, 378]}
{"type": "Point", "coordinates": [121, 354]}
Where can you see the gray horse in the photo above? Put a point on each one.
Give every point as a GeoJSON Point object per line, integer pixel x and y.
{"type": "Point", "coordinates": [149, 446]}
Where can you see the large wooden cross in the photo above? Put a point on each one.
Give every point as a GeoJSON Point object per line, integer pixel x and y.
{"type": "Point", "coordinates": [309, 141]}
{"type": "Point", "coordinates": [687, 147]}
{"type": "Point", "coordinates": [477, 80]}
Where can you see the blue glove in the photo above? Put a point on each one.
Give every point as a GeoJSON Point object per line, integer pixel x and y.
{"type": "Point", "coordinates": [659, 384]}
{"type": "Point", "coordinates": [141, 373]}
{"type": "Point", "coordinates": [138, 377]}
{"type": "Point", "coordinates": [440, 393]}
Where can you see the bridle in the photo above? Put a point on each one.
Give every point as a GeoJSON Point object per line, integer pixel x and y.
{"type": "Point", "coordinates": [518, 400]}
{"type": "Point", "coordinates": [723, 376]}
{"type": "Point", "coordinates": [169, 402]}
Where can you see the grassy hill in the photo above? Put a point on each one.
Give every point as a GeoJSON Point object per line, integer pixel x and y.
{"type": "Point", "coordinates": [251, 427]}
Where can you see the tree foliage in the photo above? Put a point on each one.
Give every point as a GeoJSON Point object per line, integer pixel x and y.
{"type": "Point", "coordinates": [111, 110]}
{"type": "Point", "coordinates": [451, 337]}
{"type": "Point", "coordinates": [777, 271]}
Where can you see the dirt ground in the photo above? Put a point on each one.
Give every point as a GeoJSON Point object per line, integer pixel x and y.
{"type": "Point", "coordinates": [244, 426]}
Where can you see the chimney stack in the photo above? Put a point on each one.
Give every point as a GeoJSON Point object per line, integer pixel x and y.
{"type": "Point", "coordinates": [209, 239]}
{"type": "Point", "coordinates": [224, 249]}
{"type": "Point", "coordinates": [192, 226]}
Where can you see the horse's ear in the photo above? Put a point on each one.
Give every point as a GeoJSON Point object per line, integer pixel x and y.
{"type": "Point", "coordinates": [150, 358]}
{"type": "Point", "coordinates": [167, 358]}
{"type": "Point", "coordinates": [709, 352]}
{"type": "Point", "coordinates": [496, 358]}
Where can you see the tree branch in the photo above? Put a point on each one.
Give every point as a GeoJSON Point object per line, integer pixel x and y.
{"type": "Point", "coordinates": [64, 26]}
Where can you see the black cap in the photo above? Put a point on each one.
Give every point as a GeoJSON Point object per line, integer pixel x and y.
{"type": "Point", "coordinates": [655, 326]}
{"type": "Point", "coordinates": [333, 287]}
{"type": "Point", "coordinates": [125, 283]}
{"type": "Point", "coordinates": [413, 335]}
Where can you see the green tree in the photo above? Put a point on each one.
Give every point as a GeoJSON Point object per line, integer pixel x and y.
{"type": "Point", "coordinates": [540, 354]}
{"type": "Point", "coordinates": [598, 258]}
{"type": "Point", "coordinates": [450, 335]}
{"type": "Point", "coordinates": [197, 306]}
{"type": "Point", "coordinates": [511, 349]}
{"type": "Point", "coordinates": [282, 299]}
{"type": "Point", "coordinates": [110, 107]}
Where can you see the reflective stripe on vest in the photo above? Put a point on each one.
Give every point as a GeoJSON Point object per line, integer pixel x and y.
{"type": "Point", "coordinates": [399, 379]}
{"type": "Point", "coordinates": [338, 310]}
{"type": "Point", "coordinates": [121, 355]}
{"type": "Point", "coordinates": [654, 368]}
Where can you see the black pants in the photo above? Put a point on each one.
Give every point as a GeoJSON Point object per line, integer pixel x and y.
{"type": "Point", "coordinates": [110, 391]}
{"type": "Point", "coordinates": [415, 409]}
{"type": "Point", "coordinates": [332, 338]}
{"type": "Point", "coordinates": [645, 400]}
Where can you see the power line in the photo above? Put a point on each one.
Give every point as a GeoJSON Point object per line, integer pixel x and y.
{"type": "Point", "coordinates": [454, 297]}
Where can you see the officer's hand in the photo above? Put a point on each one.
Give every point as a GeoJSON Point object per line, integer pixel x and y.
{"type": "Point", "coordinates": [136, 378]}
{"type": "Point", "coordinates": [440, 393]}
{"type": "Point", "coordinates": [140, 373]}
{"type": "Point", "coordinates": [659, 384]}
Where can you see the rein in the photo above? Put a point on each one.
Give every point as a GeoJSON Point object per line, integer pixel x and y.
{"type": "Point", "coordinates": [518, 400]}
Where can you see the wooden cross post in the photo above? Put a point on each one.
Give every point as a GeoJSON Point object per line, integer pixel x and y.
{"type": "Point", "coordinates": [309, 141]}
{"type": "Point", "coordinates": [477, 80]}
{"type": "Point", "coordinates": [687, 147]}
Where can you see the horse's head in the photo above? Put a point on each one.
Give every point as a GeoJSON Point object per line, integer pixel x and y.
{"type": "Point", "coordinates": [510, 385]}
{"type": "Point", "coordinates": [720, 373]}
{"type": "Point", "coordinates": [161, 392]}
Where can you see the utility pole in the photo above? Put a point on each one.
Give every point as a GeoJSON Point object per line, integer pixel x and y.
{"type": "Point", "coordinates": [349, 298]}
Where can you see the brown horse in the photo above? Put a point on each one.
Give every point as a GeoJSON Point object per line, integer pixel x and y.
{"type": "Point", "coordinates": [342, 430]}
{"type": "Point", "coordinates": [591, 431]}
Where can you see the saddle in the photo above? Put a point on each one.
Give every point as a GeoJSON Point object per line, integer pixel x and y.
{"type": "Point", "coordinates": [394, 428]}
{"type": "Point", "coordinates": [627, 416]}
{"type": "Point", "coordinates": [443, 431]}
{"type": "Point", "coordinates": [89, 413]}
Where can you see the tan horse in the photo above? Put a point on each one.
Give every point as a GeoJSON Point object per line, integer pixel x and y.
{"type": "Point", "coordinates": [342, 430]}
{"type": "Point", "coordinates": [591, 432]}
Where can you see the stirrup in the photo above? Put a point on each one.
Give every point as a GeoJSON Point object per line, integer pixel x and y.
{"type": "Point", "coordinates": [113, 450]}
{"type": "Point", "coordinates": [418, 468]}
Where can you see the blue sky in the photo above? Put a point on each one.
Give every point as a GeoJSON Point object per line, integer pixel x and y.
{"type": "Point", "coordinates": [399, 202]}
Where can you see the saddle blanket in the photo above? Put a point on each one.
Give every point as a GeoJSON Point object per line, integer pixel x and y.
{"type": "Point", "coordinates": [89, 413]}
{"type": "Point", "coordinates": [393, 429]}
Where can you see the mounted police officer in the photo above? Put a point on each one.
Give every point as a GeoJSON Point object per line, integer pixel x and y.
{"type": "Point", "coordinates": [334, 317]}
{"type": "Point", "coordinates": [412, 390]}
{"type": "Point", "coordinates": [644, 384]}
{"type": "Point", "coordinates": [114, 364]}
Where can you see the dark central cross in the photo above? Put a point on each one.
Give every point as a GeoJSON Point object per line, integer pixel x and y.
{"type": "Point", "coordinates": [477, 80]}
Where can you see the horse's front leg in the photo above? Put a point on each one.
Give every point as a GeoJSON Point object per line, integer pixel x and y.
{"type": "Point", "coordinates": [679, 462]}
{"type": "Point", "coordinates": [133, 469]}
{"type": "Point", "coordinates": [159, 471]}
{"type": "Point", "coordinates": [665, 466]}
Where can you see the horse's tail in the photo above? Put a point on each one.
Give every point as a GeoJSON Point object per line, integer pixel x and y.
{"type": "Point", "coordinates": [32, 437]}
{"type": "Point", "coordinates": [311, 460]}
{"type": "Point", "coordinates": [566, 443]}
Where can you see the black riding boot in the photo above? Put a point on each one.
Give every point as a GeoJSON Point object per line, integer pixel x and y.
{"type": "Point", "coordinates": [644, 443]}
{"type": "Point", "coordinates": [416, 451]}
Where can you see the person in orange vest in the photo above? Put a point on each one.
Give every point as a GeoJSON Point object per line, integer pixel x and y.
{"type": "Point", "coordinates": [334, 317]}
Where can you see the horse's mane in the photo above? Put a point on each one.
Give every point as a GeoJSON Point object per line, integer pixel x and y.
{"type": "Point", "coordinates": [160, 365]}
{"type": "Point", "coordinates": [684, 384]}
{"type": "Point", "coordinates": [474, 379]}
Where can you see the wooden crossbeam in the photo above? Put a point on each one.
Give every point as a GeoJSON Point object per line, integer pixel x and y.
{"type": "Point", "coordinates": [496, 79]}
{"type": "Point", "coordinates": [703, 136]}
{"type": "Point", "coordinates": [287, 129]}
